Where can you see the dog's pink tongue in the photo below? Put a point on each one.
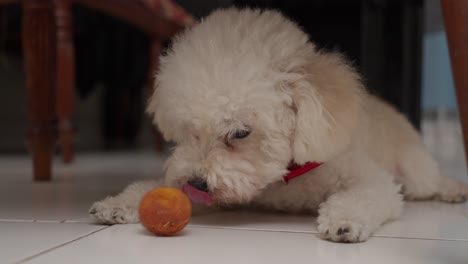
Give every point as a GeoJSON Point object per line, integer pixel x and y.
{"type": "Point", "coordinates": [196, 195]}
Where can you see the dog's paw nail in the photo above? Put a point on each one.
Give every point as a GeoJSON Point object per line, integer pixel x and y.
{"type": "Point", "coordinates": [117, 216]}
{"type": "Point", "coordinates": [342, 231]}
{"type": "Point", "coordinates": [110, 212]}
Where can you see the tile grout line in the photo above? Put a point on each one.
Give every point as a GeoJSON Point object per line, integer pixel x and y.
{"type": "Point", "coordinates": [58, 246]}
{"type": "Point", "coordinates": [316, 233]}
{"type": "Point", "coordinates": [423, 238]}
{"type": "Point", "coordinates": [226, 228]}
{"type": "Point", "coordinates": [29, 221]}
{"type": "Point", "coordinates": [253, 229]}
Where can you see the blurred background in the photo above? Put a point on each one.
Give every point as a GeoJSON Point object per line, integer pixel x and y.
{"type": "Point", "coordinates": [400, 48]}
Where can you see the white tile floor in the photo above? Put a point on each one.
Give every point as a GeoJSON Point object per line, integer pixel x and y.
{"type": "Point", "coordinates": [48, 223]}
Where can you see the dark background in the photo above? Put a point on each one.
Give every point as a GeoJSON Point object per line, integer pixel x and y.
{"type": "Point", "coordinates": [383, 38]}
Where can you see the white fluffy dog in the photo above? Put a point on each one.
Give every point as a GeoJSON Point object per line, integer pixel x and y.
{"type": "Point", "coordinates": [244, 93]}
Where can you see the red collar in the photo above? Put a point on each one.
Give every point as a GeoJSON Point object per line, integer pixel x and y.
{"type": "Point", "coordinates": [296, 170]}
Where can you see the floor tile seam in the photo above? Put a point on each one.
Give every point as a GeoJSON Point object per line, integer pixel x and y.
{"type": "Point", "coordinates": [253, 229]}
{"type": "Point", "coordinates": [80, 222]}
{"type": "Point", "coordinates": [231, 228]}
{"type": "Point", "coordinates": [13, 220]}
{"type": "Point", "coordinates": [317, 233]}
{"type": "Point", "coordinates": [25, 260]}
{"type": "Point", "coordinates": [465, 240]}
{"type": "Point", "coordinates": [66, 221]}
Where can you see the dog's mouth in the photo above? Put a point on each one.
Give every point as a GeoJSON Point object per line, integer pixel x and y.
{"type": "Point", "coordinates": [196, 195]}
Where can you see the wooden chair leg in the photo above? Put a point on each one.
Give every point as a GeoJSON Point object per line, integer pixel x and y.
{"type": "Point", "coordinates": [38, 33]}
{"type": "Point", "coordinates": [65, 79]}
{"type": "Point", "coordinates": [155, 52]}
{"type": "Point", "coordinates": [455, 13]}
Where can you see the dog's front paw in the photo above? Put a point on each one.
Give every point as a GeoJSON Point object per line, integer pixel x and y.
{"type": "Point", "coordinates": [452, 191]}
{"type": "Point", "coordinates": [111, 211]}
{"type": "Point", "coordinates": [341, 225]}
{"type": "Point", "coordinates": [341, 230]}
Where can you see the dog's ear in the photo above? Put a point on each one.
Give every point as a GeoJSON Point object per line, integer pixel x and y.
{"type": "Point", "coordinates": [327, 97]}
{"type": "Point", "coordinates": [158, 110]}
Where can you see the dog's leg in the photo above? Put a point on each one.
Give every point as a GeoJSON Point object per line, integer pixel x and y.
{"type": "Point", "coordinates": [122, 208]}
{"type": "Point", "coordinates": [421, 178]}
{"type": "Point", "coordinates": [367, 200]}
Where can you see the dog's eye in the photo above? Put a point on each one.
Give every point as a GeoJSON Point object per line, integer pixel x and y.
{"type": "Point", "coordinates": [237, 134]}
{"type": "Point", "coordinates": [241, 134]}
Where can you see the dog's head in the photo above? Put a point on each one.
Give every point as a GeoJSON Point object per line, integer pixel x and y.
{"type": "Point", "coordinates": [243, 94]}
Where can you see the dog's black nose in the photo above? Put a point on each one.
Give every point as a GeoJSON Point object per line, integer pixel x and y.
{"type": "Point", "coordinates": [198, 183]}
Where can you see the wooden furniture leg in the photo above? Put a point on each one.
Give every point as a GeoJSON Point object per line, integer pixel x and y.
{"type": "Point", "coordinates": [455, 13]}
{"type": "Point", "coordinates": [65, 81]}
{"type": "Point", "coordinates": [155, 52]}
{"type": "Point", "coordinates": [38, 33]}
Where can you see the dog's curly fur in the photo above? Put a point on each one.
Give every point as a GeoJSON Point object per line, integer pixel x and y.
{"type": "Point", "coordinates": [256, 71]}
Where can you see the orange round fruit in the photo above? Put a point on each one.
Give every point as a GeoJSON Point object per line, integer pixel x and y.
{"type": "Point", "coordinates": [165, 211]}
